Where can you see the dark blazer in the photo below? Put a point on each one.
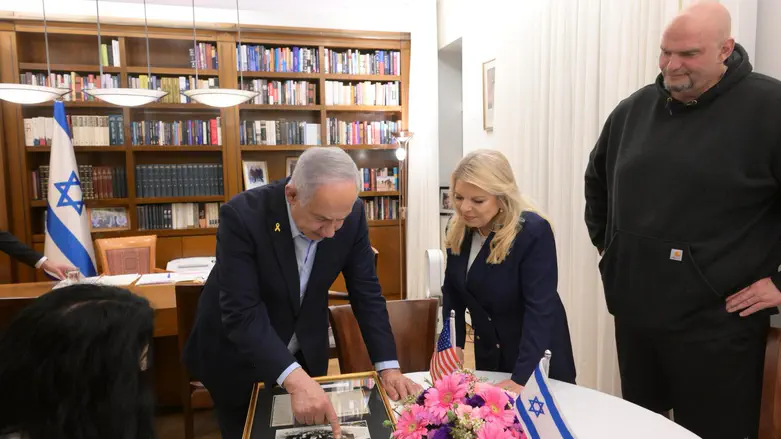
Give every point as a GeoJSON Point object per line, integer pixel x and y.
{"type": "Point", "coordinates": [250, 305]}
{"type": "Point", "coordinates": [515, 309]}
{"type": "Point", "coordinates": [18, 250]}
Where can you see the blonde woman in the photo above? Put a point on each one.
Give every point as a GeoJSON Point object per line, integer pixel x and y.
{"type": "Point", "coordinates": [501, 266]}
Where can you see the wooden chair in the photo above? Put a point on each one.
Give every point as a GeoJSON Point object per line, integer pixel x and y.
{"type": "Point", "coordinates": [10, 307]}
{"type": "Point", "coordinates": [194, 395]}
{"type": "Point", "coordinates": [413, 323]}
{"type": "Point", "coordinates": [770, 410]}
{"type": "Point", "coordinates": [127, 255]}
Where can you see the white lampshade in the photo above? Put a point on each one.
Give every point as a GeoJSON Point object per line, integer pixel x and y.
{"type": "Point", "coordinates": [30, 94]}
{"type": "Point", "coordinates": [126, 97]}
{"type": "Point", "coordinates": [220, 97]}
{"type": "Point", "coordinates": [401, 153]}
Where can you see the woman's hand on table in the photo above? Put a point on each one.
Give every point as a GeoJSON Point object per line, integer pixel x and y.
{"type": "Point", "coordinates": [511, 386]}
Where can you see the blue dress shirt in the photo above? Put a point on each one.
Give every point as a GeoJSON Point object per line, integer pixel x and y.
{"type": "Point", "coordinates": [305, 257]}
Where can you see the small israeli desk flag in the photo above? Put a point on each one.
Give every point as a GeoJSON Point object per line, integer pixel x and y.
{"type": "Point", "coordinates": [537, 408]}
{"type": "Point", "coordinates": [68, 238]}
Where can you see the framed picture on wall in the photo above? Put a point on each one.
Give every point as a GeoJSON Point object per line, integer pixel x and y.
{"type": "Point", "coordinates": [290, 165]}
{"type": "Point", "coordinates": [489, 88]}
{"type": "Point", "coordinates": [446, 206]}
{"type": "Point", "coordinates": [255, 174]}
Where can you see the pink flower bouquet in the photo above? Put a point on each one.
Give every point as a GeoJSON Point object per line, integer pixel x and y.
{"type": "Point", "coordinates": [459, 406]}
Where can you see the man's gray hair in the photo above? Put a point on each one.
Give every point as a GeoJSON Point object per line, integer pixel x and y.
{"type": "Point", "coordinates": [323, 165]}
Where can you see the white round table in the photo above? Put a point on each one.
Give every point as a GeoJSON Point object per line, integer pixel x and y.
{"type": "Point", "coordinates": [596, 415]}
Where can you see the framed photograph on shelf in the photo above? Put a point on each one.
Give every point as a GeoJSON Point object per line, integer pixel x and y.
{"type": "Point", "coordinates": [359, 400]}
{"type": "Point", "coordinates": [290, 165]}
{"type": "Point", "coordinates": [106, 219]}
{"type": "Point", "coordinates": [255, 174]}
{"type": "Point", "coordinates": [446, 206]}
{"type": "Point", "coordinates": [489, 89]}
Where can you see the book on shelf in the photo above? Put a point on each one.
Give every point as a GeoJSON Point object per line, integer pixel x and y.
{"type": "Point", "coordinates": [288, 92]}
{"type": "Point", "coordinates": [109, 56]}
{"type": "Point", "coordinates": [380, 179]}
{"type": "Point", "coordinates": [97, 182]}
{"type": "Point", "coordinates": [75, 82]}
{"type": "Point", "coordinates": [178, 216]}
{"type": "Point", "coordinates": [363, 62]}
{"type": "Point", "coordinates": [175, 86]}
{"type": "Point", "coordinates": [362, 93]}
{"type": "Point", "coordinates": [206, 132]}
{"type": "Point", "coordinates": [84, 130]}
{"type": "Point", "coordinates": [179, 180]}
{"type": "Point", "coordinates": [381, 208]}
{"type": "Point", "coordinates": [260, 58]}
{"type": "Point", "coordinates": [205, 56]}
{"type": "Point", "coordinates": [279, 132]}
{"type": "Point", "coordinates": [363, 132]}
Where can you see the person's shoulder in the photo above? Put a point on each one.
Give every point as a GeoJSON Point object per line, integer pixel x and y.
{"type": "Point", "coordinates": [645, 94]}
{"type": "Point", "coordinates": [257, 198]}
{"type": "Point", "coordinates": [762, 85]}
{"type": "Point", "coordinates": [532, 223]}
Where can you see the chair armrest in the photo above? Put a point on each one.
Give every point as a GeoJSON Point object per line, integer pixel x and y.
{"type": "Point", "coordinates": [335, 295]}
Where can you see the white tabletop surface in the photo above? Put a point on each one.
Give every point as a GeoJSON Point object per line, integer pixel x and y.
{"type": "Point", "coordinates": [596, 415]}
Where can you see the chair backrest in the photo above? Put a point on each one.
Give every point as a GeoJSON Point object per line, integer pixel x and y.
{"type": "Point", "coordinates": [127, 255]}
{"type": "Point", "coordinates": [770, 409]}
{"type": "Point", "coordinates": [413, 323]}
{"type": "Point", "coordinates": [10, 307]}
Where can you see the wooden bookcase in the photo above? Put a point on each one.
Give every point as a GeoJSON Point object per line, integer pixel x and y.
{"type": "Point", "coordinates": [73, 48]}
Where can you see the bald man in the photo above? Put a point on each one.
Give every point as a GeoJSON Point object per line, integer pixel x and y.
{"type": "Point", "coordinates": [683, 202]}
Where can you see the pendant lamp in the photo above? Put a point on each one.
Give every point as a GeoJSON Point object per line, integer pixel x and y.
{"type": "Point", "coordinates": [219, 97]}
{"type": "Point", "coordinates": [125, 97]}
{"type": "Point", "coordinates": [33, 94]}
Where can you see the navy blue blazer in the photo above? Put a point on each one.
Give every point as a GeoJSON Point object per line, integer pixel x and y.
{"type": "Point", "coordinates": [250, 305]}
{"type": "Point", "coordinates": [515, 308]}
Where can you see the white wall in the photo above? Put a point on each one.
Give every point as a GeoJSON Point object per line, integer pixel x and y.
{"type": "Point", "coordinates": [450, 21]}
{"type": "Point", "coordinates": [451, 133]}
{"type": "Point", "coordinates": [768, 43]}
{"type": "Point", "coordinates": [479, 44]}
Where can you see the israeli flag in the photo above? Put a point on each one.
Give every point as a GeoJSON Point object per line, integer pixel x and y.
{"type": "Point", "coordinates": [537, 408]}
{"type": "Point", "coordinates": [68, 238]}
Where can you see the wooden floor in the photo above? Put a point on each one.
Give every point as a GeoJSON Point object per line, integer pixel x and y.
{"type": "Point", "coordinates": [170, 426]}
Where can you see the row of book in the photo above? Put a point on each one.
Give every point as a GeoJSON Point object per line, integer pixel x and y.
{"type": "Point", "coordinates": [175, 86]}
{"type": "Point", "coordinates": [279, 132]}
{"type": "Point", "coordinates": [381, 208]}
{"type": "Point", "coordinates": [85, 130]}
{"type": "Point", "coordinates": [109, 55]}
{"type": "Point", "coordinates": [205, 56]}
{"type": "Point", "coordinates": [178, 216]}
{"type": "Point", "coordinates": [380, 179]}
{"type": "Point", "coordinates": [358, 62]}
{"type": "Point", "coordinates": [76, 82]}
{"type": "Point", "coordinates": [176, 133]}
{"type": "Point", "coordinates": [282, 93]}
{"type": "Point", "coordinates": [97, 182]}
{"type": "Point", "coordinates": [179, 180]}
{"type": "Point", "coordinates": [362, 93]}
{"type": "Point", "coordinates": [364, 132]}
{"type": "Point", "coordinates": [260, 58]}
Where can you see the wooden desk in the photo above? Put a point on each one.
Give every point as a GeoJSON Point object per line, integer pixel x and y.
{"type": "Point", "coordinates": [161, 297]}
{"type": "Point", "coordinates": [166, 359]}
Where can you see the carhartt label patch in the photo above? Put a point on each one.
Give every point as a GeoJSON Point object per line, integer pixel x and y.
{"type": "Point", "coordinates": [676, 254]}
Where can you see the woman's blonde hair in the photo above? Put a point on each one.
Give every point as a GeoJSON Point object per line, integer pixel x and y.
{"type": "Point", "coordinates": [490, 171]}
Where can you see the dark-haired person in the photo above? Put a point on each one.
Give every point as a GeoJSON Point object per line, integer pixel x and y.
{"type": "Point", "coordinates": [73, 366]}
{"type": "Point", "coordinates": [18, 250]}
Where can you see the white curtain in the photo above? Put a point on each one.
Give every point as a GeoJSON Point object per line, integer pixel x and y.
{"type": "Point", "coordinates": [562, 67]}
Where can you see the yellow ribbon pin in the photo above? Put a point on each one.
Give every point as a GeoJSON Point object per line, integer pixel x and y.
{"type": "Point", "coordinates": [276, 227]}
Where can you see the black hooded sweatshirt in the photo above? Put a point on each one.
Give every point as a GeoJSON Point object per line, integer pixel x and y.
{"type": "Point", "coordinates": [685, 199]}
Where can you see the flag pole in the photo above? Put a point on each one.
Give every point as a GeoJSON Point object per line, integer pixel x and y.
{"type": "Point", "coordinates": [547, 362]}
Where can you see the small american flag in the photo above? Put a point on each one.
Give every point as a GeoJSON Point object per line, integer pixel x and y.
{"type": "Point", "coordinates": [445, 361]}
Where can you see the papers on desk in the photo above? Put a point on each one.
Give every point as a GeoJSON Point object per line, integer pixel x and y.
{"type": "Point", "coordinates": [157, 279]}
{"type": "Point", "coordinates": [120, 280]}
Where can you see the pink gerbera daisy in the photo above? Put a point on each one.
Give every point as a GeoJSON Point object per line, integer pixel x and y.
{"type": "Point", "coordinates": [493, 430]}
{"type": "Point", "coordinates": [495, 408]}
{"type": "Point", "coordinates": [446, 392]}
{"type": "Point", "coordinates": [411, 424]}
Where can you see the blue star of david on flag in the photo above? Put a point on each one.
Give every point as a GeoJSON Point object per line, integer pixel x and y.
{"type": "Point", "coordinates": [65, 199]}
{"type": "Point", "coordinates": [538, 404]}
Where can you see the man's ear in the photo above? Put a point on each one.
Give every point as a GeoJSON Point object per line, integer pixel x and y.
{"type": "Point", "coordinates": [726, 49]}
{"type": "Point", "coordinates": [291, 193]}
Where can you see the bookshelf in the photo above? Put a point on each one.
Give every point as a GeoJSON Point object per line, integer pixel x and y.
{"type": "Point", "coordinates": [336, 88]}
